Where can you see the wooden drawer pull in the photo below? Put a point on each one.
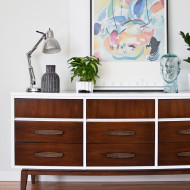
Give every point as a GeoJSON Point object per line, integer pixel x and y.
{"type": "Point", "coordinates": [184, 132]}
{"type": "Point", "coordinates": [183, 154]}
{"type": "Point", "coordinates": [48, 132]}
{"type": "Point", "coordinates": [49, 155]}
{"type": "Point", "coordinates": [120, 133]}
{"type": "Point", "coordinates": [120, 155]}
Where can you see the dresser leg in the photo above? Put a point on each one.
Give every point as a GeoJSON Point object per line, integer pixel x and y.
{"type": "Point", "coordinates": [24, 177]}
{"type": "Point", "coordinates": [33, 177]}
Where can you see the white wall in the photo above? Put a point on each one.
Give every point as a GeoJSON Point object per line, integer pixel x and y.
{"type": "Point", "coordinates": [18, 22]}
{"type": "Point", "coordinates": [178, 21]}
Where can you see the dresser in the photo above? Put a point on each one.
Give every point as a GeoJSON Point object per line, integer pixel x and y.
{"type": "Point", "coordinates": [100, 133]}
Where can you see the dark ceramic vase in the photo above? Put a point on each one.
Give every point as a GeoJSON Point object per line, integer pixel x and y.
{"type": "Point", "coordinates": [50, 80]}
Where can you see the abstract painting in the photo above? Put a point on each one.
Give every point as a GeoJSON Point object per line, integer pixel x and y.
{"type": "Point", "coordinates": [128, 30]}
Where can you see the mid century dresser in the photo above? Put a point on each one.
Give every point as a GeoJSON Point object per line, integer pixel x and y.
{"type": "Point", "coordinates": [100, 133]}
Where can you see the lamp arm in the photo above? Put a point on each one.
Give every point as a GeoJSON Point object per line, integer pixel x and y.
{"type": "Point", "coordinates": [36, 45]}
{"type": "Point", "coordinates": [31, 70]}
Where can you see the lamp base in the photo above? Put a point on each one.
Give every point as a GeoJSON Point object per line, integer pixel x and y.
{"type": "Point", "coordinates": [32, 89]}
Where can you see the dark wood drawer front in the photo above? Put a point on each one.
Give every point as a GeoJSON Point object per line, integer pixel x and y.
{"type": "Point", "coordinates": [35, 154]}
{"type": "Point", "coordinates": [174, 131]}
{"type": "Point", "coordinates": [120, 109]}
{"type": "Point", "coordinates": [55, 132]}
{"type": "Point", "coordinates": [174, 108]}
{"type": "Point", "coordinates": [174, 154]}
{"type": "Point", "coordinates": [120, 132]}
{"type": "Point", "coordinates": [120, 155]}
{"type": "Point", "coordinates": [47, 108]}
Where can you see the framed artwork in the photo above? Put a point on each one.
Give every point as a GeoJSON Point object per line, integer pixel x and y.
{"type": "Point", "coordinates": [129, 37]}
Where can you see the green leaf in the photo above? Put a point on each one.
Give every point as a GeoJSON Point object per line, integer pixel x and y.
{"type": "Point", "coordinates": [72, 78]}
{"type": "Point", "coordinates": [94, 58]}
{"type": "Point", "coordinates": [94, 81]}
{"type": "Point", "coordinates": [94, 66]}
{"type": "Point", "coordinates": [187, 60]}
{"type": "Point", "coordinates": [83, 72]}
{"type": "Point", "coordinates": [186, 37]}
{"type": "Point", "coordinates": [182, 34]}
{"type": "Point", "coordinates": [86, 68]}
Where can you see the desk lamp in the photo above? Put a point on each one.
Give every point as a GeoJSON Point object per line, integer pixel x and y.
{"type": "Point", "coordinates": [50, 46]}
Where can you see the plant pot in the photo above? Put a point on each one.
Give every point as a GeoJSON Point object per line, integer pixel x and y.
{"type": "Point", "coordinates": [84, 87]}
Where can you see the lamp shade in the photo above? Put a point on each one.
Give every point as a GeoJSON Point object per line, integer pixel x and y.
{"type": "Point", "coordinates": [51, 45]}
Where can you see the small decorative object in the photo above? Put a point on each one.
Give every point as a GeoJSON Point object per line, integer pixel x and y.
{"type": "Point", "coordinates": [50, 46]}
{"type": "Point", "coordinates": [186, 38]}
{"type": "Point", "coordinates": [86, 68]}
{"type": "Point", "coordinates": [170, 69]}
{"type": "Point", "coordinates": [50, 80]}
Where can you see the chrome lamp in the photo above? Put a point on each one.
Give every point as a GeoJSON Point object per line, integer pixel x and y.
{"type": "Point", "coordinates": [50, 46]}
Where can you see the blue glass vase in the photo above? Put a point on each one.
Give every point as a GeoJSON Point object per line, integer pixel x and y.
{"type": "Point", "coordinates": [170, 69]}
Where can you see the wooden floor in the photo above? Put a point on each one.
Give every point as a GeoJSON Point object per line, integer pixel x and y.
{"type": "Point", "coordinates": [98, 186]}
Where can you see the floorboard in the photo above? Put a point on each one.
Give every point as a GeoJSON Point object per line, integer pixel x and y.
{"type": "Point", "coordinates": [98, 186]}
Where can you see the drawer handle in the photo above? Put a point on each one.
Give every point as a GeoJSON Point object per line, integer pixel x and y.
{"type": "Point", "coordinates": [120, 155]}
{"type": "Point", "coordinates": [48, 132]}
{"type": "Point", "coordinates": [48, 155]}
{"type": "Point", "coordinates": [120, 133]}
{"type": "Point", "coordinates": [183, 154]}
{"type": "Point", "coordinates": [184, 132]}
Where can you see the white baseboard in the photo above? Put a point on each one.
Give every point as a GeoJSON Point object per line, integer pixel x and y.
{"type": "Point", "coordinates": [15, 176]}
{"type": "Point", "coordinates": [139, 178]}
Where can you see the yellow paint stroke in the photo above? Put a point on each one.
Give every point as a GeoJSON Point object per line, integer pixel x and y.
{"type": "Point", "coordinates": [120, 3]}
{"type": "Point", "coordinates": [99, 5]}
{"type": "Point", "coordinates": [123, 37]}
{"type": "Point", "coordinates": [146, 52]}
{"type": "Point", "coordinates": [96, 43]}
{"type": "Point", "coordinates": [139, 44]}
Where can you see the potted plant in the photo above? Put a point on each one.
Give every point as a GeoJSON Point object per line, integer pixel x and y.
{"type": "Point", "coordinates": [86, 68]}
{"type": "Point", "coordinates": [186, 38]}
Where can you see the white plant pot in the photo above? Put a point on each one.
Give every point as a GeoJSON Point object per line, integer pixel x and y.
{"type": "Point", "coordinates": [84, 87]}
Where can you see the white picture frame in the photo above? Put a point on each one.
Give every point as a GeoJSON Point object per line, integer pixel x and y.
{"type": "Point", "coordinates": [139, 74]}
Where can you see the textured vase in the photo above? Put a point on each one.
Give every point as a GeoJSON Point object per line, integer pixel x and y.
{"type": "Point", "coordinates": [50, 80]}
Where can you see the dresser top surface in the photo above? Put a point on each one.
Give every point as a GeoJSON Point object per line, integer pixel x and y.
{"type": "Point", "coordinates": [107, 95]}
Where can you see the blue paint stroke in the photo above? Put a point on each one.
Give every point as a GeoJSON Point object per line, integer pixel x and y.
{"type": "Point", "coordinates": [102, 15]}
{"type": "Point", "coordinates": [138, 8]}
{"type": "Point", "coordinates": [120, 19]}
{"type": "Point", "coordinates": [97, 28]}
{"type": "Point", "coordinates": [129, 58]}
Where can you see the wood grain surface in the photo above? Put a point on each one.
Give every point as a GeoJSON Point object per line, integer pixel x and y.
{"type": "Point", "coordinates": [168, 154]}
{"type": "Point", "coordinates": [48, 108]}
{"type": "Point", "coordinates": [120, 109]}
{"type": "Point", "coordinates": [173, 132]}
{"type": "Point", "coordinates": [98, 186]}
{"type": "Point", "coordinates": [29, 131]}
{"type": "Point", "coordinates": [25, 154]}
{"type": "Point", "coordinates": [120, 133]}
{"type": "Point", "coordinates": [97, 154]}
{"type": "Point", "coordinates": [176, 108]}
